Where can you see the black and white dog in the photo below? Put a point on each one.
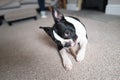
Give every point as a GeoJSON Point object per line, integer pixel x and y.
{"type": "Point", "coordinates": [68, 32]}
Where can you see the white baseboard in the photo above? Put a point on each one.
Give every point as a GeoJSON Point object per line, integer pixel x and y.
{"type": "Point", "coordinates": [113, 9]}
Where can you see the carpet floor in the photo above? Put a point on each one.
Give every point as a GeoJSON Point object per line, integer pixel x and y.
{"type": "Point", "coordinates": [28, 53]}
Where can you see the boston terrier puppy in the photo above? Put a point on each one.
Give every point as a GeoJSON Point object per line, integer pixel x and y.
{"type": "Point", "coordinates": [68, 33]}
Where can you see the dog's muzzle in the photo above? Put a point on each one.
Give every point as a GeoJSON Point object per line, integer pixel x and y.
{"type": "Point", "coordinates": [75, 38]}
{"type": "Point", "coordinates": [70, 44]}
{"type": "Point", "coordinates": [67, 44]}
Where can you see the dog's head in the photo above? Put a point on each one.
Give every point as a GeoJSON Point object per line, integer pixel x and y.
{"type": "Point", "coordinates": [62, 31]}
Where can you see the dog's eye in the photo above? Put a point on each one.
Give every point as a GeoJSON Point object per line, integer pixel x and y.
{"type": "Point", "coordinates": [67, 33]}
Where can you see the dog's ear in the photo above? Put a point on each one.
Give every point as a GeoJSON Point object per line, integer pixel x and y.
{"type": "Point", "coordinates": [57, 15]}
{"type": "Point", "coordinates": [48, 30]}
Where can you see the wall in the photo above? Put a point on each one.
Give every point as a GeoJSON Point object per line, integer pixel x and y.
{"type": "Point", "coordinates": [113, 7]}
{"type": "Point", "coordinates": [113, 1]}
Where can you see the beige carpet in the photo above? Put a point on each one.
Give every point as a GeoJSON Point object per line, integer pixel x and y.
{"type": "Point", "coordinates": [27, 53]}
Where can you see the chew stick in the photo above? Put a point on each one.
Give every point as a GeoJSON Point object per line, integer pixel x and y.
{"type": "Point", "coordinates": [73, 52]}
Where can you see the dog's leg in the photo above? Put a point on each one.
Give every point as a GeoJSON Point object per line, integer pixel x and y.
{"type": "Point", "coordinates": [66, 60]}
{"type": "Point", "coordinates": [81, 52]}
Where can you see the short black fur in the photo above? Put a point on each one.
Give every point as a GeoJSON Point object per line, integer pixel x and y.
{"type": "Point", "coordinates": [49, 31]}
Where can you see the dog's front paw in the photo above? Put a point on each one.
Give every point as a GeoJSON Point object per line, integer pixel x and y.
{"type": "Point", "coordinates": [79, 58]}
{"type": "Point", "coordinates": [67, 64]}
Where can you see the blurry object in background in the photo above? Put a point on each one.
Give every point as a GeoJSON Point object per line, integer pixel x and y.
{"type": "Point", "coordinates": [62, 3]}
{"type": "Point", "coordinates": [8, 7]}
{"type": "Point", "coordinates": [95, 4]}
{"type": "Point", "coordinates": [52, 3]}
{"type": "Point", "coordinates": [43, 14]}
{"type": "Point", "coordinates": [113, 7]}
{"type": "Point", "coordinates": [41, 4]}
{"type": "Point", "coordinates": [0, 20]}
{"type": "Point", "coordinates": [79, 4]}
{"type": "Point", "coordinates": [74, 5]}
{"type": "Point", "coordinates": [19, 15]}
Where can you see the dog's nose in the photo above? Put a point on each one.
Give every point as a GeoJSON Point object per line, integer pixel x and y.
{"type": "Point", "coordinates": [75, 38]}
{"type": "Point", "coordinates": [68, 44]}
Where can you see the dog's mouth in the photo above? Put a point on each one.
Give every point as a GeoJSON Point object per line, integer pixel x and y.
{"type": "Point", "coordinates": [70, 44]}
{"type": "Point", "coordinates": [67, 44]}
